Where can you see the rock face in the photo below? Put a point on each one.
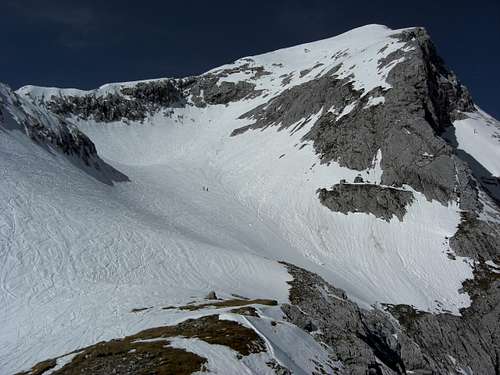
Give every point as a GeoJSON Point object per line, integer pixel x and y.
{"type": "Point", "coordinates": [381, 201]}
{"type": "Point", "coordinates": [424, 99]}
{"type": "Point", "coordinates": [479, 239]}
{"type": "Point", "coordinates": [373, 342]}
{"type": "Point", "coordinates": [54, 131]}
{"type": "Point", "coordinates": [206, 90]}
{"type": "Point", "coordinates": [131, 103]}
{"type": "Point", "coordinates": [301, 102]}
{"type": "Point", "coordinates": [137, 102]}
{"type": "Point", "coordinates": [48, 130]}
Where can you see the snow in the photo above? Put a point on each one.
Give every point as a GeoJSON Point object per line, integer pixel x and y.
{"type": "Point", "coordinates": [373, 101]}
{"type": "Point", "coordinates": [77, 255]}
{"type": "Point", "coordinates": [356, 52]}
{"type": "Point", "coordinates": [493, 266]}
{"type": "Point", "coordinates": [22, 111]}
{"type": "Point", "coordinates": [287, 344]}
{"type": "Point", "coordinates": [479, 135]}
{"type": "Point", "coordinates": [40, 93]}
{"type": "Point", "coordinates": [61, 362]}
{"type": "Point", "coordinates": [347, 109]}
{"type": "Point", "coordinates": [368, 253]}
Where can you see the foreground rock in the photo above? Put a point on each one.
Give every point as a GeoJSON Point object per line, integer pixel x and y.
{"type": "Point", "coordinates": [51, 131]}
{"type": "Point", "coordinates": [373, 342]}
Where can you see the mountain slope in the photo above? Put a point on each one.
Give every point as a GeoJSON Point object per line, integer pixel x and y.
{"type": "Point", "coordinates": [218, 180]}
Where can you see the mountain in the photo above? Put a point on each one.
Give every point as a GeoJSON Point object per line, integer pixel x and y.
{"type": "Point", "coordinates": [331, 207]}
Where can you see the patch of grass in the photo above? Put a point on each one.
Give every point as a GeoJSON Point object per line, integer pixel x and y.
{"type": "Point", "coordinates": [41, 367]}
{"type": "Point", "coordinates": [148, 352]}
{"type": "Point", "coordinates": [230, 303]}
{"type": "Point", "coordinates": [128, 357]}
{"type": "Point", "coordinates": [212, 330]}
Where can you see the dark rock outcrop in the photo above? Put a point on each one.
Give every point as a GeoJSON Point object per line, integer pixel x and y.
{"type": "Point", "coordinates": [133, 103]}
{"type": "Point", "coordinates": [475, 238]}
{"type": "Point", "coordinates": [301, 102]}
{"type": "Point", "coordinates": [208, 90]}
{"type": "Point", "coordinates": [381, 201]}
{"type": "Point", "coordinates": [137, 102]}
{"type": "Point", "coordinates": [53, 131]}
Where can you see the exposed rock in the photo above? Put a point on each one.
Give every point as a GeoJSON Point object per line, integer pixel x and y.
{"type": "Point", "coordinates": [155, 94]}
{"type": "Point", "coordinates": [358, 179]}
{"type": "Point", "coordinates": [227, 303]}
{"type": "Point", "coordinates": [278, 369]}
{"type": "Point", "coordinates": [478, 239]}
{"type": "Point", "coordinates": [418, 342]}
{"type": "Point", "coordinates": [301, 102]}
{"type": "Point", "coordinates": [133, 103]}
{"type": "Point", "coordinates": [53, 131]}
{"type": "Point", "coordinates": [360, 340]}
{"type": "Point", "coordinates": [255, 71]}
{"type": "Point", "coordinates": [424, 99]}
{"type": "Point", "coordinates": [471, 341]}
{"type": "Point", "coordinates": [70, 141]}
{"type": "Point", "coordinates": [211, 295]}
{"type": "Point", "coordinates": [305, 72]}
{"type": "Point", "coordinates": [207, 89]}
{"type": "Point", "coordinates": [138, 101]}
{"type": "Point", "coordinates": [381, 201]}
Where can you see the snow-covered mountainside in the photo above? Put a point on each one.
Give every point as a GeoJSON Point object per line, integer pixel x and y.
{"type": "Point", "coordinates": [341, 197]}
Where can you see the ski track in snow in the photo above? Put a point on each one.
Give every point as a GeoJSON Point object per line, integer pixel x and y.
{"type": "Point", "coordinates": [77, 255]}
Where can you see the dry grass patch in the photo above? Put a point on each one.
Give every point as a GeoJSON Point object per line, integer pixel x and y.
{"type": "Point", "coordinates": [148, 352]}
{"type": "Point", "coordinates": [41, 367]}
{"type": "Point", "coordinates": [230, 303]}
{"type": "Point", "coordinates": [212, 330]}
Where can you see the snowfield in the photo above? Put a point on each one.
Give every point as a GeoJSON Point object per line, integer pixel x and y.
{"type": "Point", "coordinates": [479, 135]}
{"type": "Point", "coordinates": [77, 255]}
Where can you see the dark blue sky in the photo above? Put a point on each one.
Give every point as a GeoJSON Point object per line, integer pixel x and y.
{"type": "Point", "coordinates": [84, 44]}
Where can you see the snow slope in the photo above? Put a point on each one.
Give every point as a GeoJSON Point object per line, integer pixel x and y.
{"type": "Point", "coordinates": [77, 255]}
{"type": "Point", "coordinates": [479, 135]}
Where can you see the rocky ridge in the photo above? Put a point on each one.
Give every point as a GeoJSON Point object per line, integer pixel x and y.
{"type": "Point", "coordinates": [397, 339]}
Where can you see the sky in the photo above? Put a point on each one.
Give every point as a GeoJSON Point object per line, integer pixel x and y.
{"type": "Point", "coordinates": [86, 43]}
